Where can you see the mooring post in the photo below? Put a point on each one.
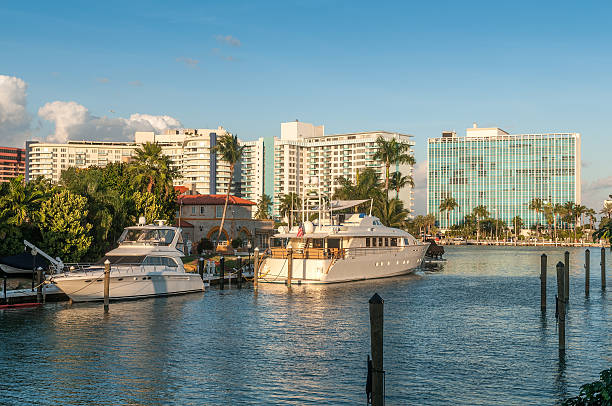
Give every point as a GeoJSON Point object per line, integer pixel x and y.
{"type": "Point", "coordinates": [566, 282]}
{"type": "Point", "coordinates": [603, 268]}
{"type": "Point", "coordinates": [34, 253]}
{"type": "Point", "coordinates": [561, 303]}
{"type": "Point", "coordinates": [222, 273]}
{"type": "Point", "coordinates": [106, 284]}
{"type": "Point", "coordinates": [39, 281]}
{"type": "Point", "coordinates": [4, 283]}
{"type": "Point", "coordinates": [255, 267]}
{"type": "Point", "coordinates": [543, 260]}
{"type": "Point", "coordinates": [289, 266]}
{"type": "Point", "coordinates": [376, 348]}
{"type": "Point", "coordinates": [201, 267]}
{"type": "Point", "coordinates": [239, 273]}
{"type": "Point", "coordinates": [587, 271]}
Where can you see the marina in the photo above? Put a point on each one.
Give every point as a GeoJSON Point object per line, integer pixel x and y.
{"type": "Point", "coordinates": [467, 331]}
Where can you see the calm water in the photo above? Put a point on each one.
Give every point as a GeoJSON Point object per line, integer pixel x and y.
{"type": "Point", "coordinates": [471, 333]}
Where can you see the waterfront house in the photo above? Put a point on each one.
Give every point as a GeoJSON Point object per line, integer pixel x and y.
{"type": "Point", "coordinates": [200, 217]}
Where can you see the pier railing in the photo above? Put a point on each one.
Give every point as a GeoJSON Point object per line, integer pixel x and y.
{"type": "Point", "coordinates": [308, 253]}
{"type": "Point", "coordinates": [97, 269]}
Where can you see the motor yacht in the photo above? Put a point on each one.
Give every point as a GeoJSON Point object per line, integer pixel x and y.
{"type": "Point", "coordinates": [341, 248]}
{"type": "Point", "coordinates": [146, 263]}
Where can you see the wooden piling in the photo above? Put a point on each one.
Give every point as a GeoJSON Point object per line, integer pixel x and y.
{"type": "Point", "coordinates": [603, 268]}
{"type": "Point", "coordinates": [376, 304]}
{"type": "Point", "coordinates": [255, 267]}
{"type": "Point", "coordinates": [201, 267]}
{"type": "Point", "coordinates": [587, 271]}
{"type": "Point", "coordinates": [289, 266]}
{"type": "Point", "coordinates": [39, 282]}
{"type": "Point", "coordinates": [561, 304]}
{"type": "Point", "coordinates": [222, 273]}
{"type": "Point", "coordinates": [543, 260]}
{"type": "Point", "coordinates": [239, 273]}
{"type": "Point", "coordinates": [4, 283]}
{"type": "Point", "coordinates": [106, 284]}
{"type": "Point", "coordinates": [566, 282]}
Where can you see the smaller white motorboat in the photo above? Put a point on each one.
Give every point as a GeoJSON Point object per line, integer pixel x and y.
{"type": "Point", "coordinates": [147, 263]}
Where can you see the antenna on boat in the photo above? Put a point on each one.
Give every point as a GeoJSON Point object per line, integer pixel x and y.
{"type": "Point", "coordinates": [371, 204]}
{"type": "Point", "coordinates": [142, 221]}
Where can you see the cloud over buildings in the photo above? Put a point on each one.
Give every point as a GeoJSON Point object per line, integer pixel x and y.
{"type": "Point", "coordinates": [15, 121]}
{"type": "Point", "coordinates": [73, 121]}
{"type": "Point", "coordinates": [420, 188]}
{"type": "Point", "coordinates": [192, 63]}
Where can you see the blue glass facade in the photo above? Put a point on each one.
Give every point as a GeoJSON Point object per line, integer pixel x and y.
{"type": "Point", "coordinates": [503, 172]}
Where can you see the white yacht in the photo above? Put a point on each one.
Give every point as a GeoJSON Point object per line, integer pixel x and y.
{"type": "Point", "coordinates": [146, 263]}
{"type": "Point", "coordinates": [358, 247]}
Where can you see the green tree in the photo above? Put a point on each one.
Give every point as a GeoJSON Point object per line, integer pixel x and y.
{"type": "Point", "coordinates": [479, 212]}
{"type": "Point", "coordinates": [151, 170]}
{"type": "Point", "coordinates": [20, 202]}
{"type": "Point", "coordinates": [447, 205]}
{"type": "Point", "coordinates": [604, 232]}
{"type": "Point", "coordinates": [537, 205]}
{"type": "Point", "coordinates": [229, 150]}
{"type": "Point", "coordinates": [263, 207]}
{"type": "Point", "coordinates": [391, 213]}
{"type": "Point", "coordinates": [392, 152]}
{"type": "Point", "coordinates": [517, 223]}
{"type": "Point", "coordinates": [287, 203]}
{"type": "Point", "coordinates": [63, 226]}
{"type": "Point", "coordinates": [149, 206]}
{"type": "Point", "coordinates": [398, 182]}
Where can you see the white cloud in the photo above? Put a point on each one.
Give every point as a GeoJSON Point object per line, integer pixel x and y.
{"type": "Point", "coordinates": [229, 40]}
{"type": "Point", "coordinates": [73, 121]}
{"type": "Point", "coordinates": [595, 192]}
{"type": "Point", "coordinates": [103, 80]}
{"type": "Point", "coordinates": [14, 118]}
{"type": "Point", "coordinates": [420, 188]}
{"type": "Point", "coordinates": [136, 83]}
{"type": "Point", "coordinates": [193, 63]}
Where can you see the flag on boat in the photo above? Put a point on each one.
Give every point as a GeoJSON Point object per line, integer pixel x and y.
{"type": "Point", "coordinates": [300, 232]}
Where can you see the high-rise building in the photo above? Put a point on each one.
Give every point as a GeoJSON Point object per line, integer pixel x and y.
{"type": "Point", "coordinates": [189, 151]}
{"type": "Point", "coordinates": [503, 172]}
{"type": "Point", "coordinates": [12, 163]}
{"type": "Point", "coordinates": [304, 151]}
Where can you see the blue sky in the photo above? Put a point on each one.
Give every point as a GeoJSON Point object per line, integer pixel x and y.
{"type": "Point", "coordinates": [417, 68]}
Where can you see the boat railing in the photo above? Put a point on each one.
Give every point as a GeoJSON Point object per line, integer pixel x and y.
{"type": "Point", "coordinates": [123, 268]}
{"type": "Point", "coordinates": [308, 253]}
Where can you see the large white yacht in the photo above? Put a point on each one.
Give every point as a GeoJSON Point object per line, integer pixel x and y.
{"type": "Point", "coordinates": [358, 247]}
{"type": "Point", "coordinates": [146, 263]}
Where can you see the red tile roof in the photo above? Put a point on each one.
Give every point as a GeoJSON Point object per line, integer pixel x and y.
{"type": "Point", "coordinates": [181, 189]}
{"type": "Point", "coordinates": [214, 200]}
{"type": "Point", "coordinates": [184, 224]}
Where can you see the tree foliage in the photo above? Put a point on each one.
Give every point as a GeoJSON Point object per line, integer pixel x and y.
{"type": "Point", "coordinates": [594, 393]}
{"type": "Point", "coordinates": [63, 226]}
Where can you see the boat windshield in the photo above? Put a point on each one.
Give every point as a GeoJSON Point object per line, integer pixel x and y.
{"type": "Point", "coordinates": [147, 236]}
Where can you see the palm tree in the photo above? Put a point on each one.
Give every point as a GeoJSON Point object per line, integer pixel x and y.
{"type": "Point", "coordinates": [591, 215]}
{"type": "Point", "coordinates": [392, 152]}
{"type": "Point", "coordinates": [607, 208]}
{"type": "Point", "coordinates": [479, 212]}
{"type": "Point", "coordinates": [391, 213]}
{"type": "Point", "coordinates": [20, 201]}
{"type": "Point", "coordinates": [517, 222]}
{"type": "Point", "coordinates": [263, 207]}
{"type": "Point", "coordinates": [604, 233]}
{"type": "Point", "coordinates": [429, 221]}
{"type": "Point", "coordinates": [448, 204]}
{"type": "Point", "coordinates": [152, 168]}
{"type": "Point", "coordinates": [537, 205]}
{"type": "Point", "coordinates": [367, 186]}
{"type": "Point", "coordinates": [288, 203]}
{"type": "Point", "coordinates": [569, 214]}
{"type": "Point", "coordinates": [229, 150]}
{"type": "Point", "coordinates": [398, 182]}
{"type": "Point", "coordinates": [579, 211]}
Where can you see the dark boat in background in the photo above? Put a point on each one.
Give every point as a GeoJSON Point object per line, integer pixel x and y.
{"type": "Point", "coordinates": [435, 251]}
{"type": "Point", "coordinates": [21, 265]}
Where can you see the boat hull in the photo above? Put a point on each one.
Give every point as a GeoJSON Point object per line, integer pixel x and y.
{"type": "Point", "coordinates": [88, 289]}
{"type": "Point", "coordinates": [350, 268]}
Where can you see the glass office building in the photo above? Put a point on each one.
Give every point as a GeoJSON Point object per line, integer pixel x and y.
{"type": "Point", "coordinates": [502, 172]}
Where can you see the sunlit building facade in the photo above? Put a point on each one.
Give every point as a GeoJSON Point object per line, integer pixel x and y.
{"type": "Point", "coordinates": [503, 172]}
{"type": "Point", "coordinates": [12, 163]}
{"type": "Point", "coordinates": [304, 151]}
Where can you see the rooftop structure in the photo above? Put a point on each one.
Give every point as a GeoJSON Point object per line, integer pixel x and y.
{"type": "Point", "coordinates": [12, 163]}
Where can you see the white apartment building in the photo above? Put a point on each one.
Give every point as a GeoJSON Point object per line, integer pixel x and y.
{"type": "Point", "coordinates": [304, 150]}
{"type": "Point", "coordinates": [188, 149]}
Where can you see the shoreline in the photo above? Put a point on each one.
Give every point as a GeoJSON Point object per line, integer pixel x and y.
{"type": "Point", "coordinates": [523, 244]}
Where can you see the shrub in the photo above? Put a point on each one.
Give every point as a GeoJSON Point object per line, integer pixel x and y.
{"type": "Point", "coordinates": [594, 393]}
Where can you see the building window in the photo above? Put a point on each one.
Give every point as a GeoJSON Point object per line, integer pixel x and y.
{"type": "Point", "coordinates": [218, 211]}
{"type": "Point", "coordinates": [367, 241]}
{"type": "Point", "coordinates": [193, 210]}
{"type": "Point", "coordinates": [202, 210]}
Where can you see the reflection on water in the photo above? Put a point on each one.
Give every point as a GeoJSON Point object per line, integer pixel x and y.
{"type": "Point", "coordinates": [466, 331]}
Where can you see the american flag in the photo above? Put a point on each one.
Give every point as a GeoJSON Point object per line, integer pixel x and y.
{"type": "Point", "coordinates": [300, 232]}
